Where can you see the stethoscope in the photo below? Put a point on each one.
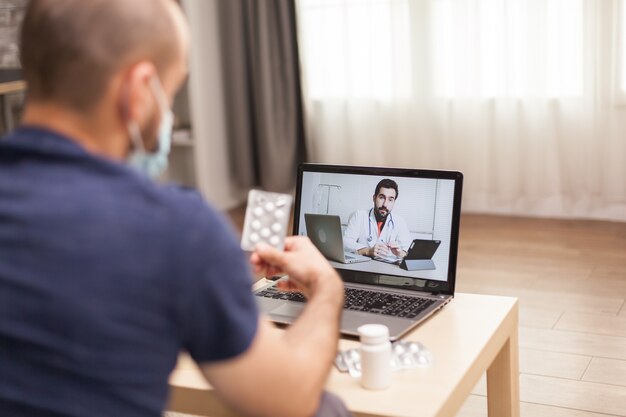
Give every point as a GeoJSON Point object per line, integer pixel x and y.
{"type": "Point", "coordinates": [369, 224]}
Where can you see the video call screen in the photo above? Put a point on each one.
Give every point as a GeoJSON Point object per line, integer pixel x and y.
{"type": "Point", "coordinates": [393, 226]}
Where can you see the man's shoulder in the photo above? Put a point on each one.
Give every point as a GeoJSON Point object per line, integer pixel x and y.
{"type": "Point", "coordinates": [192, 211]}
{"type": "Point", "coordinates": [203, 242]}
{"type": "Point", "coordinates": [399, 219]}
{"type": "Point", "coordinates": [360, 213]}
{"type": "Point", "coordinates": [168, 211]}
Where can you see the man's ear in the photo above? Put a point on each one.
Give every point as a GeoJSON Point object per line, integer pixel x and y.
{"type": "Point", "coordinates": [135, 97]}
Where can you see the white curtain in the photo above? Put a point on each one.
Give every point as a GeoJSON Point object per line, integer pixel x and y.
{"type": "Point", "coordinates": [526, 97]}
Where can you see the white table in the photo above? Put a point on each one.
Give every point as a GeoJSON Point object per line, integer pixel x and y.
{"type": "Point", "coordinates": [471, 335]}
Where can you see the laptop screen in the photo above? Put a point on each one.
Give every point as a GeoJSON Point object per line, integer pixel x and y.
{"type": "Point", "coordinates": [397, 227]}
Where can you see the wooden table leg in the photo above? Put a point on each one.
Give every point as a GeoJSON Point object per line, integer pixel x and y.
{"type": "Point", "coordinates": [503, 380]}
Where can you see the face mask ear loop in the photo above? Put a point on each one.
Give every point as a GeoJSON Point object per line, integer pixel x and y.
{"type": "Point", "coordinates": [132, 127]}
{"type": "Point", "coordinates": [159, 93]}
{"type": "Point", "coordinates": [135, 136]}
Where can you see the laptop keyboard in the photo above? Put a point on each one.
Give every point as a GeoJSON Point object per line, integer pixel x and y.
{"type": "Point", "coordinates": [275, 293]}
{"type": "Point", "coordinates": [364, 300]}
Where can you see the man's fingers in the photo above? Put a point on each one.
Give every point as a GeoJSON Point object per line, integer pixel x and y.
{"type": "Point", "coordinates": [273, 271]}
{"type": "Point", "coordinates": [255, 259]}
{"type": "Point", "coordinates": [287, 286]}
{"type": "Point", "coordinates": [266, 269]}
{"type": "Point", "coordinates": [270, 255]}
{"type": "Point", "coordinates": [292, 242]}
{"type": "Point", "coordinates": [261, 265]}
{"type": "Point", "coordinates": [289, 242]}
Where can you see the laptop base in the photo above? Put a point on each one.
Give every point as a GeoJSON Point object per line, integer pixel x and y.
{"type": "Point", "coordinates": [284, 312]}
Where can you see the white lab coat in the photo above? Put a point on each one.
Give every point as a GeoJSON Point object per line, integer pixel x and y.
{"type": "Point", "coordinates": [362, 225]}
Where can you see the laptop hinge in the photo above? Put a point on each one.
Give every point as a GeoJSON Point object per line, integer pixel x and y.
{"type": "Point", "coordinates": [440, 294]}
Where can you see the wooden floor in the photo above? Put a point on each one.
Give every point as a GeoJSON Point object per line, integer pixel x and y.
{"type": "Point", "coordinates": [570, 278]}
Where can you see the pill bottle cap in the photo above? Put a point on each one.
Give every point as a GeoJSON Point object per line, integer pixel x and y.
{"type": "Point", "coordinates": [372, 334]}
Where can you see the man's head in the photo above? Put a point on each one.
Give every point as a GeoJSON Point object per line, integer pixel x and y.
{"type": "Point", "coordinates": [385, 197]}
{"type": "Point", "coordinates": [98, 59]}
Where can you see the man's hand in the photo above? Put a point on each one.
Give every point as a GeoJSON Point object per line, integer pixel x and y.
{"type": "Point", "coordinates": [308, 270]}
{"type": "Point", "coordinates": [379, 250]}
{"type": "Point", "coordinates": [397, 250]}
{"type": "Point", "coordinates": [279, 359]}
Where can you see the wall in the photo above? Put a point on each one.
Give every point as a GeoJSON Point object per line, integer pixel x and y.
{"type": "Point", "coordinates": [11, 14]}
{"type": "Point", "coordinates": [206, 92]}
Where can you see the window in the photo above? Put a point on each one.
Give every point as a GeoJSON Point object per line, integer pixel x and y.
{"type": "Point", "coordinates": [622, 49]}
{"type": "Point", "coordinates": [356, 48]}
{"type": "Point", "coordinates": [508, 48]}
{"type": "Point", "coordinates": [449, 48]}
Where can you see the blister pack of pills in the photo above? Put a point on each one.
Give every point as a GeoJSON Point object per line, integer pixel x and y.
{"type": "Point", "coordinates": [404, 355]}
{"type": "Point", "coordinates": [267, 215]}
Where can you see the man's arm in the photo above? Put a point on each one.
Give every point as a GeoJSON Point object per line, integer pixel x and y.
{"type": "Point", "coordinates": [283, 373]}
{"type": "Point", "coordinates": [366, 251]}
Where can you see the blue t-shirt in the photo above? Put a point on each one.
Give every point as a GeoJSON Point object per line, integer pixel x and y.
{"type": "Point", "coordinates": [104, 277]}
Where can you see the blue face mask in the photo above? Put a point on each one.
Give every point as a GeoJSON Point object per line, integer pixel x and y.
{"type": "Point", "coordinates": [153, 164]}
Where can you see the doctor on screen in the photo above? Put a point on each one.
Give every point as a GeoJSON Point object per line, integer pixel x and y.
{"type": "Point", "coordinates": [377, 232]}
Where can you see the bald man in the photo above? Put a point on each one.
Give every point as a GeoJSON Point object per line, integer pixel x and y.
{"type": "Point", "coordinates": [105, 276]}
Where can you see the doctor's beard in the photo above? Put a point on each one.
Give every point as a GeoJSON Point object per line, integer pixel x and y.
{"type": "Point", "coordinates": [379, 216]}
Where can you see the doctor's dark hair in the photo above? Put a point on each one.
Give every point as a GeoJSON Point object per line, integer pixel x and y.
{"type": "Point", "coordinates": [386, 183]}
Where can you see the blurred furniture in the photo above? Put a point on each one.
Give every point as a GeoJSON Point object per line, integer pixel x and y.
{"type": "Point", "coordinates": [11, 82]}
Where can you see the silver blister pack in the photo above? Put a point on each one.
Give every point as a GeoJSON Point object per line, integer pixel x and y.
{"type": "Point", "coordinates": [267, 216]}
{"type": "Point", "coordinates": [404, 355]}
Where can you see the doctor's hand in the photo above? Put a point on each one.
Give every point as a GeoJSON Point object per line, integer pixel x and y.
{"type": "Point", "coordinates": [308, 270]}
{"type": "Point", "coordinates": [379, 250]}
{"type": "Point", "coordinates": [396, 249]}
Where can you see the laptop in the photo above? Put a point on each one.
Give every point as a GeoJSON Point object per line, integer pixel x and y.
{"type": "Point", "coordinates": [325, 233]}
{"type": "Point", "coordinates": [427, 207]}
{"type": "Point", "coordinates": [419, 256]}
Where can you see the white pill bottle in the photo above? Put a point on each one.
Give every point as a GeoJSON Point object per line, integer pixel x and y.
{"type": "Point", "coordinates": [375, 356]}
